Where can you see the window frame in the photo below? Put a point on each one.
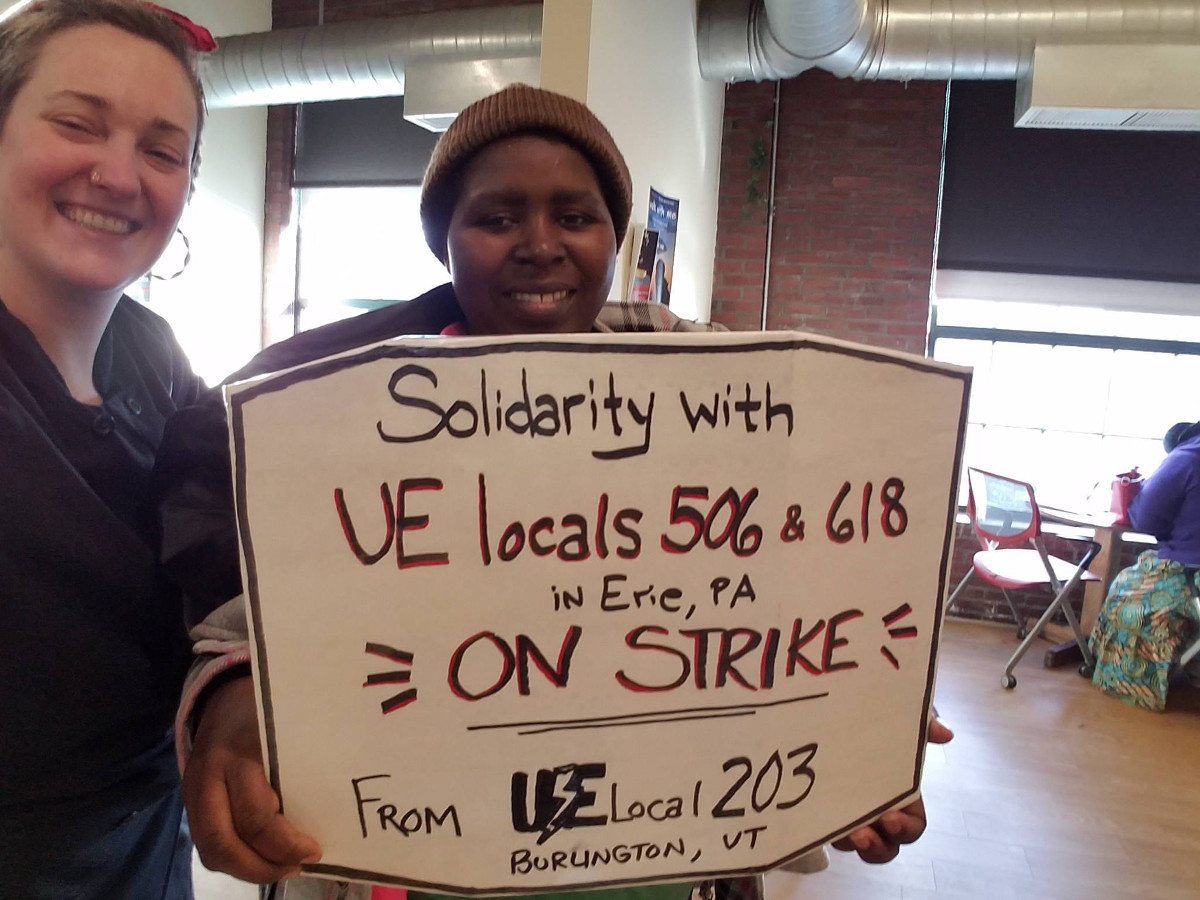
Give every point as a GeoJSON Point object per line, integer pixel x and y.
{"type": "Point", "coordinates": [1136, 298]}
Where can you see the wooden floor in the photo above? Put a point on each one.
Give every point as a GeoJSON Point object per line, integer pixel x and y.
{"type": "Point", "coordinates": [1052, 791]}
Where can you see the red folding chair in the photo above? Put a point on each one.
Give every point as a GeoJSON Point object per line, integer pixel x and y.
{"type": "Point", "coordinates": [1005, 518]}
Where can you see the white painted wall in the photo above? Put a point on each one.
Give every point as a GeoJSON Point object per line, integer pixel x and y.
{"type": "Point", "coordinates": [215, 307]}
{"type": "Point", "coordinates": [644, 83]}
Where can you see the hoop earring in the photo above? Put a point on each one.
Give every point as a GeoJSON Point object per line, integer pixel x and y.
{"type": "Point", "coordinates": [187, 258]}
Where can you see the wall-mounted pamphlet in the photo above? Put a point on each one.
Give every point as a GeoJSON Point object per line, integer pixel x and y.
{"type": "Point", "coordinates": [663, 217]}
{"type": "Point", "coordinates": [536, 613]}
{"type": "Point", "coordinates": [643, 265]}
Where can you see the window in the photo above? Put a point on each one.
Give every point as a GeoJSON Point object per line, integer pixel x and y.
{"type": "Point", "coordinates": [360, 248]}
{"type": "Point", "coordinates": [1067, 396]}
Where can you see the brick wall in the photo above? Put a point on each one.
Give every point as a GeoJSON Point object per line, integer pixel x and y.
{"type": "Point", "coordinates": [294, 13]}
{"type": "Point", "coordinates": [856, 208]}
{"type": "Point", "coordinates": [279, 255]}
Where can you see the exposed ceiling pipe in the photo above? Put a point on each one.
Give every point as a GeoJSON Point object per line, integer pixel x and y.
{"type": "Point", "coordinates": [759, 40]}
{"type": "Point", "coordinates": [362, 59]}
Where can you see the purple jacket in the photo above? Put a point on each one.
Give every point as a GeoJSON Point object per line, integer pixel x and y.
{"type": "Point", "coordinates": [1168, 506]}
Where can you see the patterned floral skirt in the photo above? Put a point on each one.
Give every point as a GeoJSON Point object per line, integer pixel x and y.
{"type": "Point", "coordinates": [1147, 621]}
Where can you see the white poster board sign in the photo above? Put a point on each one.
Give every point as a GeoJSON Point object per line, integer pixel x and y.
{"type": "Point", "coordinates": [534, 613]}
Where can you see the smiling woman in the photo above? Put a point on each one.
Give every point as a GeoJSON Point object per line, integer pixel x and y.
{"type": "Point", "coordinates": [526, 200]}
{"type": "Point", "coordinates": [99, 135]}
{"type": "Point", "coordinates": [510, 227]}
{"type": "Point", "coordinates": [100, 119]}
{"type": "Point", "coordinates": [95, 165]}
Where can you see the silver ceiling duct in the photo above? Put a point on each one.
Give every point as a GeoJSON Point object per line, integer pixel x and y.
{"type": "Point", "coordinates": [760, 40]}
{"type": "Point", "coordinates": [363, 59]}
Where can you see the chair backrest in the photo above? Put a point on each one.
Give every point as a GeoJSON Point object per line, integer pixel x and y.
{"type": "Point", "coordinates": [1003, 511]}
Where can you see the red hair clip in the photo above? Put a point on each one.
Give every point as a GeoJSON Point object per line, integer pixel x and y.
{"type": "Point", "coordinates": [198, 37]}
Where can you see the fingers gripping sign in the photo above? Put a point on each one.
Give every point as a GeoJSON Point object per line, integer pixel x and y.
{"type": "Point", "coordinates": [880, 841]}
{"type": "Point", "coordinates": [237, 824]}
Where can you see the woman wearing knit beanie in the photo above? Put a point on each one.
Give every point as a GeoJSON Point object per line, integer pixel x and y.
{"type": "Point", "coordinates": [526, 200]}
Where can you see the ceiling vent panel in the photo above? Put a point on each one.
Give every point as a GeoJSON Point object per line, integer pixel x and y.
{"type": "Point", "coordinates": [1126, 87]}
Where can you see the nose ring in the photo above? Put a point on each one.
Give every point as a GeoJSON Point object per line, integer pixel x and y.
{"type": "Point", "coordinates": [94, 177]}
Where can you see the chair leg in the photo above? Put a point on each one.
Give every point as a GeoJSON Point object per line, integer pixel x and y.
{"type": "Point", "coordinates": [1016, 614]}
{"type": "Point", "coordinates": [1008, 680]}
{"type": "Point", "coordinates": [954, 594]}
{"type": "Point", "coordinates": [1193, 650]}
{"type": "Point", "coordinates": [1089, 664]}
{"type": "Point", "coordinates": [1189, 654]}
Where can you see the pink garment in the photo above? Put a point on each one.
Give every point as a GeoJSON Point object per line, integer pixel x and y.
{"type": "Point", "coordinates": [379, 892]}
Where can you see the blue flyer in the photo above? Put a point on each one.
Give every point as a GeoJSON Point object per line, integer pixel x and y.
{"type": "Point", "coordinates": [663, 217]}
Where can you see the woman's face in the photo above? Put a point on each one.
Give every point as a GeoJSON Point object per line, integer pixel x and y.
{"type": "Point", "coordinates": [531, 247]}
{"type": "Point", "coordinates": [98, 100]}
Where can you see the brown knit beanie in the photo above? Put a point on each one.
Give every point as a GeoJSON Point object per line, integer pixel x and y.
{"type": "Point", "coordinates": [515, 110]}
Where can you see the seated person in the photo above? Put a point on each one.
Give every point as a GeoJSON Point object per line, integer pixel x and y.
{"type": "Point", "coordinates": [1149, 615]}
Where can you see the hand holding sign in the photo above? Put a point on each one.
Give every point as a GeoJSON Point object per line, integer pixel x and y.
{"type": "Point", "coordinates": [880, 841]}
{"type": "Point", "coordinates": [236, 821]}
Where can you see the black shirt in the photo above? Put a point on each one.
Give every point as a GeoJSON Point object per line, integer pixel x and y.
{"type": "Point", "coordinates": [93, 646]}
{"type": "Point", "coordinates": [193, 481]}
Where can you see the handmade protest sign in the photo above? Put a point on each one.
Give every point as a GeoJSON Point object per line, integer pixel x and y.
{"type": "Point", "coordinates": [533, 613]}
